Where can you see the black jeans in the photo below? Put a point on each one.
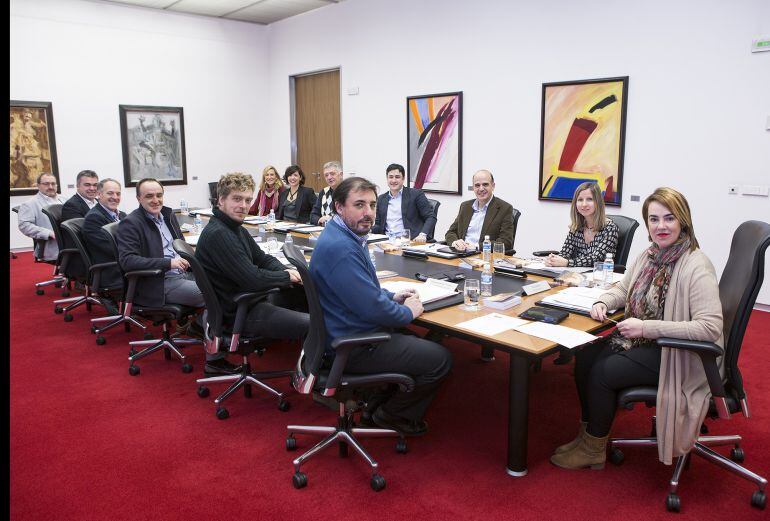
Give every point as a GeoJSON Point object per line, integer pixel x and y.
{"type": "Point", "coordinates": [600, 373]}
{"type": "Point", "coordinates": [426, 362]}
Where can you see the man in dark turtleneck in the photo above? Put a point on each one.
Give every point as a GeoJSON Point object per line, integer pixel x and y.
{"type": "Point", "coordinates": [234, 264]}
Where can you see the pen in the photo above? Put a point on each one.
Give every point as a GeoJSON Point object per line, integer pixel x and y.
{"type": "Point", "coordinates": [613, 321]}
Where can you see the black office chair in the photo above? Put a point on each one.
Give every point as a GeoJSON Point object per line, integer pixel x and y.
{"type": "Point", "coordinates": [15, 210]}
{"type": "Point", "coordinates": [434, 206]}
{"type": "Point", "coordinates": [626, 229]}
{"type": "Point", "coordinates": [738, 288]}
{"type": "Point", "coordinates": [72, 234]}
{"type": "Point", "coordinates": [218, 333]}
{"type": "Point", "coordinates": [516, 215]}
{"type": "Point", "coordinates": [164, 316]}
{"type": "Point", "coordinates": [38, 252]}
{"type": "Point", "coordinates": [310, 375]}
{"type": "Point", "coordinates": [213, 200]}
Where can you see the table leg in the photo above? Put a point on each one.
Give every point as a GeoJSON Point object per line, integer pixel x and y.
{"type": "Point", "coordinates": [518, 414]}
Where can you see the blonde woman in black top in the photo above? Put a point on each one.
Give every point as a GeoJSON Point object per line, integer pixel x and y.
{"type": "Point", "coordinates": [591, 234]}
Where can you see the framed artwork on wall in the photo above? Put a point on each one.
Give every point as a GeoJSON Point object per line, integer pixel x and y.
{"type": "Point", "coordinates": [582, 137]}
{"type": "Point", "coordinates": [434, 130]}
{"type": "Point", "coordinates": [153, 144]}
{"type": "Point", "coordinates": [33, 146]}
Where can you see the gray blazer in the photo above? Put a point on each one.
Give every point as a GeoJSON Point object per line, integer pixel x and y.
{"type": "Point", "coordinates": [35, 224]}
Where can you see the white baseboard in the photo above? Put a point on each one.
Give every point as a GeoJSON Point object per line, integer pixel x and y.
{"type": "Point", "coordinates": [762, 307]}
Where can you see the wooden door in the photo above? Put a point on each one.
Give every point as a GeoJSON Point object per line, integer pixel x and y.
{"type": "Point", "coordinates": [316, 124]}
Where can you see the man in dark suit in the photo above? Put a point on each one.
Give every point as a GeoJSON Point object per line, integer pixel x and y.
{"type": "Point", "coordinates": [81, 203]}
{"type": "Point", "coordinates": [485, 215]}
{"type": "Point", "coordinates": [403, 208]}
{"type": "Point", "coordinates": [145, 239]}
{"type": "Point", "coordinates": [106, 211]}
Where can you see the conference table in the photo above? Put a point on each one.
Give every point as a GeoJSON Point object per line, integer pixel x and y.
{"type": "Point", "coordinates": [522, 349]}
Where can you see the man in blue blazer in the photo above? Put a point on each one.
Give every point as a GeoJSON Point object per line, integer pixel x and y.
{"type": "Point", "coordinates": [403, 208]}
{"type": "Point", "coordinates": [108, 193]}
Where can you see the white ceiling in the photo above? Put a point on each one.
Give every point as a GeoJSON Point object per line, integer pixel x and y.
{"type": "Point", "coordinates": [254, 11]}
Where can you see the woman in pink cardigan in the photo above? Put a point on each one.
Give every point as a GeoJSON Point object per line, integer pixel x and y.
{"type": "Point", "coordinates": [671, 291]}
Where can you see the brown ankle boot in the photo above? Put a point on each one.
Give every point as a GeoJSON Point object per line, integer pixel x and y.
{"type": "Point", "coordinates": [571, 445]}
{"type": "Point", "coordinates": [589, 452]}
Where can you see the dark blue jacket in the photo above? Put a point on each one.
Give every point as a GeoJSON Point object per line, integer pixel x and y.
{"type": "Point", "coordinates": [141, 248]}
{"type": "Point", "coordinates": [416, 212]}
{"type": "Point", "coordinates": [74, 207]}
{"type": "Point", "coordinates": [100, 245]}
{"type": "Point", "coordinates": [348, 288]}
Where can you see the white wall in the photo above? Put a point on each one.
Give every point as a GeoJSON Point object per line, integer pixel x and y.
{"type": "Point", "coordinates": [89, 57]}
{"type": "Point", "coordinates": [698, 99]}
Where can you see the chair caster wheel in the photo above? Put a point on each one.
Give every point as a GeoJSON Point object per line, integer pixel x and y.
{"type": "Point", "coordinates": [127, 327]}
{"type": "Point", "coordinates": [401, 447]}
{"type": "Point", "coordinates": [58, 310]}
{"type": "Point", "coordinates": [617, 457]}
{"type": "Point", "coordinates": [100, 340]}
{"type": "Point", "coordinates": [284, 406]}
{"type": "Point", "coordinates": [299, 480]}
{"type": "Point", "coordinates": [203, 391]}
{"type": "Point", "coordinates": [759, 500]}
{"type": "Point", "coordinates": [222, 413]}
{"type": "Point", "coordinates": [737, 455]}
{"type": "Point", "coordinates": [40, 292]}
{"type": "Point", "coordinates": [672, 503]}
{"type": "Point", "coordinates": [186, 368]}
{"type": "Point", "coordinates": [148, 336]}
{"type": "Point", "coordinates": [93, 330]}
{"type": "Point", "coordinates": [377, 482]}
{"type": "Point", "coordinates": [68, 317]}
{"type": "Point", "coordinates": [133, 370]}
{"type": "Point", "coordinates": [291, 443]}
{"type": "Point", "coordinates": [704, 429]}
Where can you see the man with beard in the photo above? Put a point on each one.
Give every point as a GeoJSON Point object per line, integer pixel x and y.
{"type": "Point", "coordinates": [353, 302]}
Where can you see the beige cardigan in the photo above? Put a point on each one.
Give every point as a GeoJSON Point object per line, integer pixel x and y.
{"type": "Point", "coordinates": [692, 311]}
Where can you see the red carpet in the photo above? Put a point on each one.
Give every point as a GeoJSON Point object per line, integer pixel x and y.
{"type": "Point", "coordinates": [88, 441]}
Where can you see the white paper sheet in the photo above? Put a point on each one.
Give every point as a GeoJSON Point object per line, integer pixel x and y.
{"type": "Point", "coordinates": [192, 240]}
{"type": "Point", "coordinates": [203, 211]}
{"type": "Point", "coordinates": [562, 335]}
{"type": "Point", "coordinates": [428, 291]}
{"type": "Point", "coordinates": [491, 324]}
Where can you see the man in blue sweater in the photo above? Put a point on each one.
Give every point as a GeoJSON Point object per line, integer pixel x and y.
{"type": "Point", "coordinates": [353, 302]}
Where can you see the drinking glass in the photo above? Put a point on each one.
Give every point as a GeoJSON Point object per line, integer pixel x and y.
{"type": "Point", "coordinates": [472, 294]}
{"type": "Point", "coordinates": [498, 251]}
{"type": "Point", "coordinates": [406, 237]}
{"type": "Point", "coordinates": [272, 245]}
{"type": "Point", "coordinates": [598, 275]}
{"type": "Point", "coordinates": [393, 238]}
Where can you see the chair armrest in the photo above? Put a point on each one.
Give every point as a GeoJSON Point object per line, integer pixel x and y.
{"type": "Point", "coordinates": [103, 266]}
{"type": "Point", "coordinates": [133, 277]}
{"type": "Point", "coordinates": [95, 273]}
{"type": "Point", "coordinates": [244, 301]}
{"type": "Point", "coordinates": [708, 353]}
{"type": "Point", "coordinates": [342, 347]}
{"type": "Point", "coordinates": [620, 268]}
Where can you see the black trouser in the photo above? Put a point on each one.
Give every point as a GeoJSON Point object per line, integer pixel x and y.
{"type": "Point", "coordinates": [276, 317]}
{"type": "Point", "coordinates": [425, 361]}
{"type": "Point", "coordinates": [600, 373]}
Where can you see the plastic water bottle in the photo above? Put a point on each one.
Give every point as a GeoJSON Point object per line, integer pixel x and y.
{"type": "Point", "coordinates": [271, 220]}
{"type": "Point", "coordinates": [371, 257]}
{"type": "Point", "coordinates": [183, 206]}
{"type": "Point", "coordinates": [197, 225]}
{"type": "Point", "coordinates": [609, 269]}
{"type": "Point", "coordinates": [486, 280]}
{"type": "Point", "coordinates": [486, 253]}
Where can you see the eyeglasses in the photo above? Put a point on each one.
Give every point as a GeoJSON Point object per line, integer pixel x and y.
{"type": "Point", "coordinates": [52, 183]}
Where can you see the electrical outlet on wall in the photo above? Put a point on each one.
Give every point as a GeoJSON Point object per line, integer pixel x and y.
{"type": "Point", "coordinates": [732, 189]}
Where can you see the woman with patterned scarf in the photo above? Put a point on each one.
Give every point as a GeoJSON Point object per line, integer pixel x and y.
{"type": "Point", "coordinates": [269, 192]}
{"type": "Point", "coordinates": [671, 291]}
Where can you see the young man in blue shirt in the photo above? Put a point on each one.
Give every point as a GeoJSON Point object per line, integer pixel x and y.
{"type": "Point", "coordinates": [353, 302]}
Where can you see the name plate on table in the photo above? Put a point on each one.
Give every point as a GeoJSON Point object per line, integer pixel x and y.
{"type": "Point", "coordinates": [537, 287]}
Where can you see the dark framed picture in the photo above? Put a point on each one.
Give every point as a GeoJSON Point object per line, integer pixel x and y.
{"type": "Point", "coordinates": [582, 137]}
{"type": "Point", "coordinates": [434, 135]}
{"type": "Point", "coordinates": [153, 144]}
{"type": "Point", "coordinates": [33, 145]}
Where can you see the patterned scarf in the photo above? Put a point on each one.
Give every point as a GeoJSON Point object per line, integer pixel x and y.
{"type": "Point", "coordinates": [648, 293]}
{"type": "Point", "coordinates": [265, 203]}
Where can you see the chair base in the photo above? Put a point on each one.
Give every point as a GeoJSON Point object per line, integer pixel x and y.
{"type": "Point", "coordinates": [246, 378]}
{"type": "Point", "coordinates": [344, 434]}
{"type": "Point", "coordinates": [701, 448]}
{"type": "Point", "coordinates": [168, 343]}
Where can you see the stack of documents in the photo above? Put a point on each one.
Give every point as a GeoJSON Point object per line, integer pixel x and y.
{"type": "Point", "coordinates": [429, 291]}
{"type": "Point", "coordinates": [556, 270]}
{"type": "Point", "coordinates": [430, 249]}
{"type": "Point", "coordinates": [202, 211]}
{"type": "Point", "coordinates": [375, 237]}
{"type": "Point", "coordinates": [575, 299]}
{"type": "Point", "coordinates": [502, 300]}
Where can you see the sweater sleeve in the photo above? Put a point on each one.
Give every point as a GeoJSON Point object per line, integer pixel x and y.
{"type": "Point", "coordinates": [705, 322]}
{"type": "Point", "coordinates": [230, 255]}
{"type": "Point", "coordinates": [362, 297]}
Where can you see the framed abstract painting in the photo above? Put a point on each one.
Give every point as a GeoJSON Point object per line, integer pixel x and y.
{"type": "Point", "coordinates": [434, 130]}
{"type": "Point", "coordinates": [153, 144]}
{"type": "Point", "coordinates": [582, 137]}
{"type": "Point", "coordinates": [33, 146]}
